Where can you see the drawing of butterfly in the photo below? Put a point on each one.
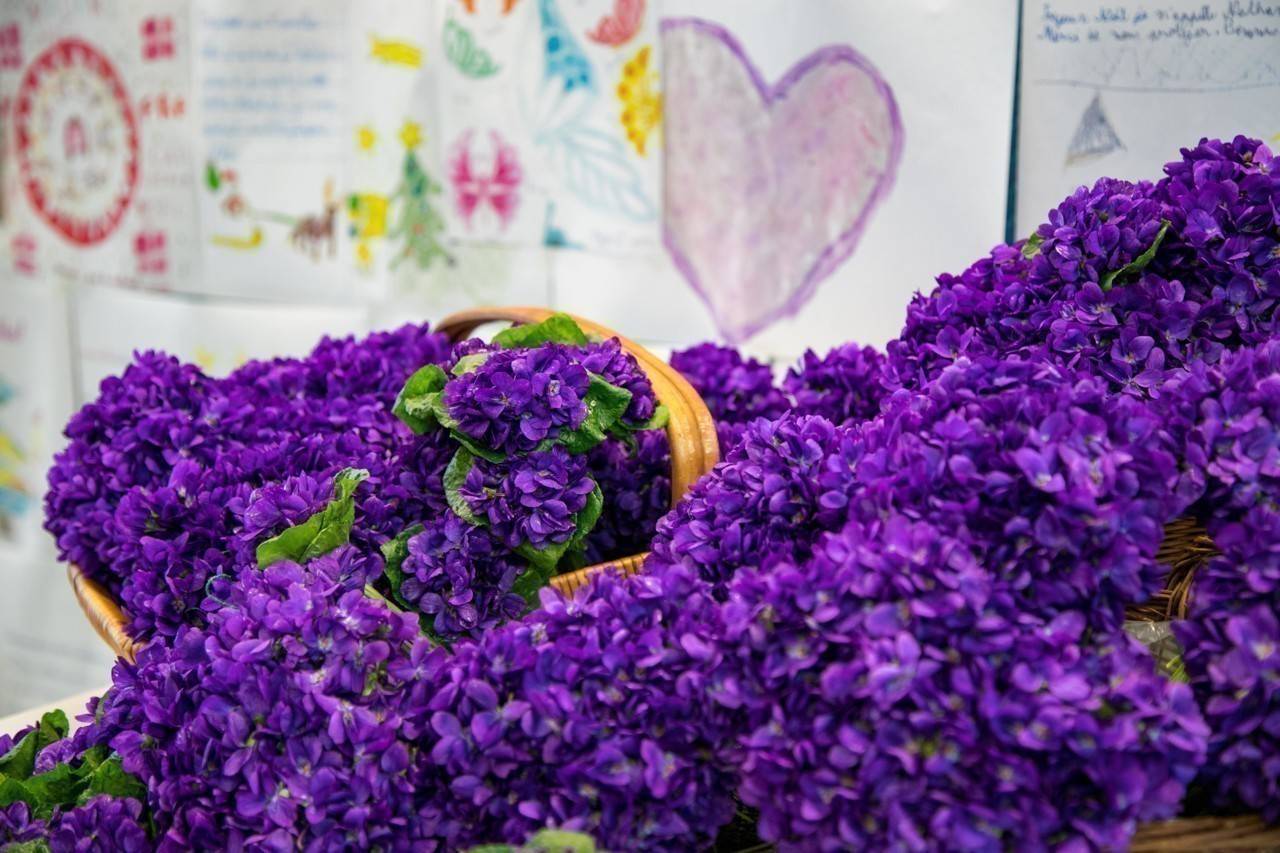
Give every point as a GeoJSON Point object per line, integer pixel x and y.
{"type": "Point", "coordinates": [465, 53]}
{"type": "Point", "coordinates": [498, 190]}
{"type": "Point", "coordinates": [589, 160]}
{"type": "Point", "coordinates": [621, 26]}
{"type": "Point", "coordinates": [507, 6]}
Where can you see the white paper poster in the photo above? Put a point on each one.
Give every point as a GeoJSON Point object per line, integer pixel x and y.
{"type": "Point", "coordinates": [1116, 89]}
{"type": "Point", "coordinates": [823, 161]}
{"type": "Point", "coordinates": [49, 648]}
{"type": "Point", "coordinates": [35, 401]}
{"type": "Point", "coordinates": [271, 80]}
{"type": "Point", "coordinates": [551, 117]}
{"type": "Point", "coordinates": [95, 165]}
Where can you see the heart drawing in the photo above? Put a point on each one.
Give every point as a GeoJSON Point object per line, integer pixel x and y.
{"type": "Point", "coordinates": [768, 187]}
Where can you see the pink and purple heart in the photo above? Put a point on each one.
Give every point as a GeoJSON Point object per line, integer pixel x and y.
{"type": "Point", "coordinates": [768, 188]}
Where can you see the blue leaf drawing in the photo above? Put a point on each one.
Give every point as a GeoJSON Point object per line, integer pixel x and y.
{"type": "Point", "coordinates": [565, 60]}
{"type": "Point", "coordinates": [596, 169]}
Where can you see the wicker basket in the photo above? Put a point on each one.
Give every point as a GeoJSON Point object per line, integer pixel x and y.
{"type": "Point", "coordinates": [1185, 548]}
{"type": "Point", "coordinates": [690, 431]}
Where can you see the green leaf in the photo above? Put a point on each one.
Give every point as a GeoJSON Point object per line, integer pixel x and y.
{"type": "Point", "coordinates": [531, 581]}
{"type": "Point", "coordinates": [111, 779]}
{"type": "Point", "coordinates": [424, 381]}
{"type": "Point", "coordinates": [492, 848]}
{"type": "Point", "coordinates": [324, 531]}
{"type": "Point", "coordinates": [441, 410]}
{"type": "Point", "coordinates": [15, 791]}
{"type": "Point", "coordinates": [1138, 263]}
{"type": "Point", "coordinates": [59, 785]}
{"type": "Point", "coordinates": [556, 329]}
{"type": "Point", "coordinates": [20, 761]}
{"type": "Point", "coordinates": [1031, 247]}
{"type": "Point", "coordinates": [67, 785]}
{"type": "Point", "coordinates": [476, 448]}
{"type": "Point", "coordinates": [544, 560]}
{"type": "Point", "coordinates": [561, 841]}
{"type": "Point", "coordinates": [37, 846]}
{"type": "Point", "coordinates": [431, 409]}
{"type": "Point", "coordinates": [587, 517]}
{"type": "Point", "coordinates": [394, 552]}
{"type": "Point", "coordinates": [658, 420]}
{"type": "Point", "coordinates": [584, 438]}
{"type": "Point", "coordinates": [466, 55]}
{"type": "Point", "coordinates": [625, 432]}
{"type": "Point", "coordinates": [468, 363]}
{"type": "Point", "coordinates": [211, 177]}
{"type": "Point", "coordinates": [606, 403]}
{"type": "Point", "coordinates": [454, 476]}
{"type": "Point", "coordinates": [93, 757]}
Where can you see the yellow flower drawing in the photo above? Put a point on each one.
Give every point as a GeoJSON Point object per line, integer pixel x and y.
{"type": "Point", "coordinates": [411, 134]}
{"type": "Point", "coordinates": [641, 100]}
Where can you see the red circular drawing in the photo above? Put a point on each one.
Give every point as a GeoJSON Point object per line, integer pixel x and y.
{"type": "Point", "coordinates": [77, 141]}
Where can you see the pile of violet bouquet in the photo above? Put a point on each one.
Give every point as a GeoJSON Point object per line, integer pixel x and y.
{"type": "Point", "coordinates": [893, 617]}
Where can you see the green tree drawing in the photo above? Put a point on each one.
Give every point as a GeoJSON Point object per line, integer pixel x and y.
{"type": "Point", "coordinates": [418, 222]}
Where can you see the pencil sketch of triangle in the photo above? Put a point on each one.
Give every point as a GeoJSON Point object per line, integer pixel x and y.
{"type": "Point", "coordinates": [1094, 136]}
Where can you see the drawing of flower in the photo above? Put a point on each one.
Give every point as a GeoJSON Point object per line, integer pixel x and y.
{"type": "Point", "coordinates": [641, 101]}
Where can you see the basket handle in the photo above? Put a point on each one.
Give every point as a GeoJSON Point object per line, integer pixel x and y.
{"type": "Point", "coordinates": [691, 431]}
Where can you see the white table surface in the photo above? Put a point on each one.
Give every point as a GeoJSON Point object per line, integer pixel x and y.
{"type": "Point", "coordinates": [72, 705]}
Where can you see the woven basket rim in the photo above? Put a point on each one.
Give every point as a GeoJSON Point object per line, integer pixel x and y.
{"type": "Point", "coordinates": [691, 433]}
{"type": "Point", "coordinates": [1247, 832]}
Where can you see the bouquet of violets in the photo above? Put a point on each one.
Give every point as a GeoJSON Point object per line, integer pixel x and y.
{"type": "Point", "coordinates": [523, 413]}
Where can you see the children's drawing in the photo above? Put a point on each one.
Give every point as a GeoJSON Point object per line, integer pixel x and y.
{"type": "Point", "coordinates": [1094, 136]}
{"type": "Point", "coordinates": [15, 496]}
{"type": "Point", "coordinates": [597, 171]}
{"type": "Point", "coordinates": [311, 233]}
{"type": "Point", "coordinates": [10, 47]}
{"type": "Point", "coordinates": [251, 240]}
{"type": "Point", "coordinates": [641, 103]}
{"type": "Point", "coordinates": [76, 141]}
{"type": "Point", "coordinates": [214, 361]}
{"type": "Point", "coordinates": [566, 63]}
{"type": "Point", "coordinates": [395, 52]}
{"type": "Point", "coordinates": [507, 6]}
{"type": "Point", "coordinates": [22, 248]}
{"type": "Point", "coordinates": [418, 223]}
{"type": "Point", "coordinates": [150, 251]}
{"type": "Point", "coordinates": [768, 187]}
{"type": "Point", "coordinates": [621, 25]}
{"type": "Point", "coordinates": [368, 215]}
{"type": "Point", "coordinates": [579, 144]}
{"type": "Point", "coordinates": [553, 236]}
{"type": "Point", "coordinates": [475, 187]}
{"type": "Point", "coordinates": [465, 54]}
